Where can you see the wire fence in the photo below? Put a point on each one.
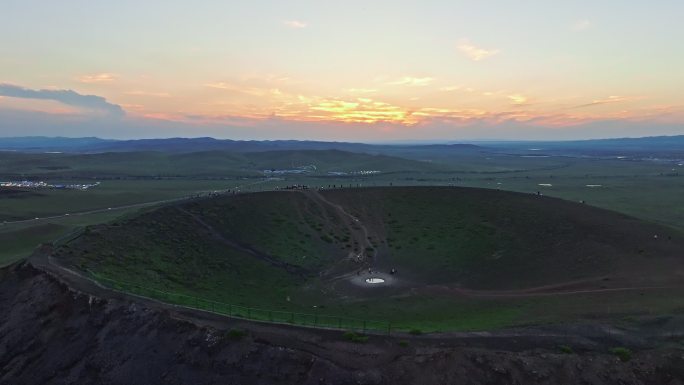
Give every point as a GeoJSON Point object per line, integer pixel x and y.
{"type": "Point", "coordinates": [70, 236]}
{"type": "Point", "coordinates": [244, 312]}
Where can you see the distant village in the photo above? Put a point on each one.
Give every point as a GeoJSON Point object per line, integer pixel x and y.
{"type": "Point", "coordinates": [44, 185]}
{"type": "Point", "coordinates": [312, 168]}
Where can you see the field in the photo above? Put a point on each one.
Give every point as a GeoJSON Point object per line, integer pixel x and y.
{"type": "Point", "coordinates": [21, 232]}
{"type": "Point", "coordinates": [645, 189]}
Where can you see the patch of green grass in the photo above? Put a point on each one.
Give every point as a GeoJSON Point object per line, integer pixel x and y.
{"type": "Point", "coordinates": [622, 353]}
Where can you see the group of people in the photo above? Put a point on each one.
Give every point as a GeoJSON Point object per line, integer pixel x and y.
{"type": "Point", "coordinates": [370, 271]}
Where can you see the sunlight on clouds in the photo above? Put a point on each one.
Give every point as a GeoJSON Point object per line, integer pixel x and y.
{"type": "Point", "coordinates": [475, 53]}
{"type": "Point", "coordinates": [413, 101]}
{"type": "Point", "coordinates": [361, 90]}
{"type": "Point", "coordinates": [608, 100]}
{"type": "Point", "coordinates": [363, 110]}
{"type": "Point", "coordinates": [97, 78]}
{"type": "Point", "coordinates": [517, 99]}
{"type": "Point", "coordinates": [412, 81]}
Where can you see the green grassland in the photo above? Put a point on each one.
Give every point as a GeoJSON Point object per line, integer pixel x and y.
{"type": "Point", "coordinates": [122, 196]}
{"type": "Point", "coordinates": [644, 189]}
{"type": "Point", "coordinates": [455, 242]}
{"type": "Point", "coordinates": [19, 240]}
{"type": "Point", "coordinates": [207, 164]}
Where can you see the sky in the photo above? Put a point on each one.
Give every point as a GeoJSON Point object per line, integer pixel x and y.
{"type": "Point", "coordinates": [342, 70]}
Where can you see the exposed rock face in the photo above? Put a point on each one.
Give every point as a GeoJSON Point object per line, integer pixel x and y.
{"type": "Point", "coordinates": [50, 334]}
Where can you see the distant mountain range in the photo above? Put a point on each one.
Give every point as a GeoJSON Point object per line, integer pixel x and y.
{"type": "Point", "coordinates": [661, 144]}
{"type": "Point", "coordinates": [648, 143]}
{"type": "Point", "coordinates": [93, 145]}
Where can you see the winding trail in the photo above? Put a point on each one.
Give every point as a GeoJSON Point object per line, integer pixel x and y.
{"type": "Point", "coordinates": [354, 221]}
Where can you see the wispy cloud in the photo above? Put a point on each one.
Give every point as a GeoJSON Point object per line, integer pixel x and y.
{"type": "Point", "coordinates": [245, 89]}
{"type": "Point", "coordinates": [450, 88]}
{"type": "Point", "coordinates": [361, 90]}
{"type": "Point", "coordinates": [473, 52]}
{"type": "Point", "coordinates": [68, 97]}
{"type": "Point", "coordinates": [581, 25]}
{"type": "Point", "coordinates": [608, 100]}
{"type": "Point", "coordinates": [148, 93]}
{"type": "Point", "coordinates": [412, 81]}
{"type": "Point", "coordinates": [517, 99]}
{"type": "Point", "coordinates": [97, 78]}
{"type": "Point", "coordinates": [297, 24]}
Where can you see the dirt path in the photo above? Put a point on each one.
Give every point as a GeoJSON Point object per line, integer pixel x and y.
{"type": "Point", "coordinates": [532, 292]}
{"type": "Point", "coordinates": [351, 224]}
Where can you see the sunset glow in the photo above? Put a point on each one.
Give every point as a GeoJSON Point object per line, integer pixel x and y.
{"type": "Point", "coordinates": [416, 69]}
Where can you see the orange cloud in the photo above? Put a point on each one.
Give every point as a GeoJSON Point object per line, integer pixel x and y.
{"type": "Point", "coordinates": [361, 110]}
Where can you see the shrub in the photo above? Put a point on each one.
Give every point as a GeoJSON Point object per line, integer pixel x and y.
{"type": "Point", "coordinates": [415, 332]}
{"type": "Point", "coordinates": [565, 349]}
{"type": "Point", "coordinates": [403, 344]}
{"type": "Point", "coordinates": [355, 337]}
{"type": "Point", "coordinates": [236, 334]}
{"type": "Point", "coordinates": [622, 353]}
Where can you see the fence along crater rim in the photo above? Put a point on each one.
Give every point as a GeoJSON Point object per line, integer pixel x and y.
{"type": "Point", "coordinates": [321, 321]}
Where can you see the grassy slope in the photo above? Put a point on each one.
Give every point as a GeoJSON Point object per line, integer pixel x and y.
{"type": "Point", "coordinates": [183, 258]}
{"type": "Point", "coordinates": [487, 239]}
{"type": "Point", "coordinates": [285, 225]}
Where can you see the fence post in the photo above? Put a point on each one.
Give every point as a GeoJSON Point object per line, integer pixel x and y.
{"type": "Point", "coordinates": [292, 317]}
{"type": "Point", "coordinates": [316, 320]}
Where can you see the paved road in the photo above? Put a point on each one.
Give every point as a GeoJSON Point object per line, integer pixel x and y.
{"type": "Point", "coordinates": [124, 207]}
